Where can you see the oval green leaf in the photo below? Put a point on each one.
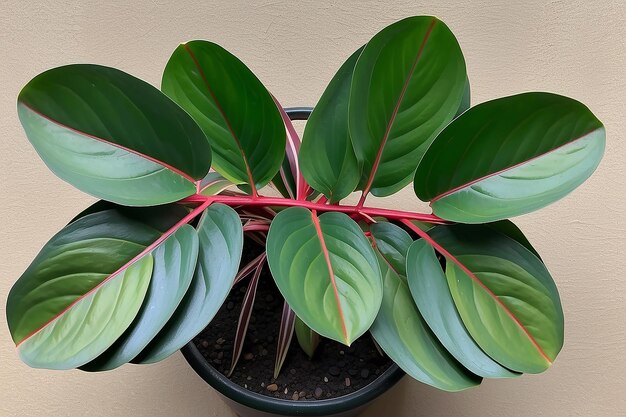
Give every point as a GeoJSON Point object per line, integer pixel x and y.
{"type": "Point", "coordinates": [232, 107]}
{"type": "Point", "coordinates": [431, 294]}
{"type": "Point", "coordinates": [400, 329]}
{"type": "Point", "coordinates": [221, 243]}
{"type": "Point", "coordinates": [510, 156]}
{"type": "Point", "coordinates": [326, 270]}
{"type": "Point", "coordinates": [113, 136]}
{"type": "Point", "coordinates": [504, 294]}
{"type": "Point", "coordinates": [408, 83]}
{"type": "Point", "coordinates": [327, 159]}
{"type": "Point", "coordinates": [174, 264]}
{"type": "Point", "coordinates": [85, 264]}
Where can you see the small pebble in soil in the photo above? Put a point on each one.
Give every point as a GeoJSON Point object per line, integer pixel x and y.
{"type": "Point", "coordinates": [300, 374]}
{"type": "Point", "coordinates": [365, 373]}
{"type": "Point", "coordinates": [295, 396]}
{"type": "Point", "coordinates": [347, 382]}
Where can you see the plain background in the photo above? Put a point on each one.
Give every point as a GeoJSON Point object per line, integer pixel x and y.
{"type": "Point", "coordinates": [575, 48]}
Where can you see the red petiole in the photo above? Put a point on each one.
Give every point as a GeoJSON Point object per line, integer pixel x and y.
{"type": "Point", "coordinates": [262, 201]}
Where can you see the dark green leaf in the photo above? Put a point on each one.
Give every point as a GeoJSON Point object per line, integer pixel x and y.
{"type": "Point", "coordinates": [232, 107]}
{"type": "Point", "coordinates": [113, 136]}
{"type": "Point", "coordinates": [510, 156]}
{"type": "Point", "coordinates": [408, 84]}
{"type": "Point", "coordinates": [327, 159]}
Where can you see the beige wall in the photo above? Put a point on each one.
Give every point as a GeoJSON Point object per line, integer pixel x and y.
{"type": "Point", "coordinates": [574, 48]}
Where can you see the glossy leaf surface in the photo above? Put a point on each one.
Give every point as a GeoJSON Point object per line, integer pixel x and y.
{"type": "Point", "coordinates": [327, 159]}
{"type": "Point", "coordinates": [399, 328]}
{"type": "Point", "coordinates": [79, 267]}
{"type": "Point", "coordinates": [220, 245]}
{"type": "Point", "coordinates": [326, 270]}
{"type": "Point", "coordinates": [174, 264]}
{"type": "Point", "coordinates": [232, 107]}
{"type": "Point", "coordinates": [510, 156]}
{"type": "Point", "coordinates": [505, 296]}
{"type": "Point", "coordinates": [113, 136]}
{"type": "Point", "coordinates": [431, 294]}
{"type": "Point", "coordinates": [408, 84]}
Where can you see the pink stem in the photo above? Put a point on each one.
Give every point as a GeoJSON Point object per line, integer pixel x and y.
{"type": "Point", "coordinates": [263, 201]}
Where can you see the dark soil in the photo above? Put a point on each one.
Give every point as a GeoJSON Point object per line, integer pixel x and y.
{"type": "Point", "coordinates": [335, 370]}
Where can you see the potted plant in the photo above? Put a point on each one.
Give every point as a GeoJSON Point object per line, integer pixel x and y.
{"type": "Point", "coordinates": [451, 297]}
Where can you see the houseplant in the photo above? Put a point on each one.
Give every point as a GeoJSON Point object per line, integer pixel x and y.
{"type": "Point", "coordinates": [387, 118]}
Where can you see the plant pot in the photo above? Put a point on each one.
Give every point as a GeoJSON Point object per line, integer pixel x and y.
{"type": "Point", "coordinates": [250, 404]}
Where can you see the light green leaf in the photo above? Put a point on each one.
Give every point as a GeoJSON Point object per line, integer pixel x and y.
{"type": "Point", "coordinates": [431, 294]}
{"type": "Point", "coordinates": [174, 264]}
{"type": "Point", "coordinates": [504, 294]}
{"type": "Point", "coordinates": [221, 242]}
{"type": "Point", "coordinates": [326, 270]}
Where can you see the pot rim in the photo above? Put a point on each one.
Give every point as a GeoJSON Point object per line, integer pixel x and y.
{"type": "Point", "coordinates": [261, 402]}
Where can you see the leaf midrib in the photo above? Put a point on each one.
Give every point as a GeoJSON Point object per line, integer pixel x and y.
{"type": "Point", "coordinates": [379, 153]}
{"type": "Point", "coordinates": [107, 142]}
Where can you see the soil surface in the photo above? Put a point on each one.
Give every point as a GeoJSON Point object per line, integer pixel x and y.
{"type": "Point", "coordinates": [335, 370]}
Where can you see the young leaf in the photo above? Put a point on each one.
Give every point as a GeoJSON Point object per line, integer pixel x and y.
{"type": "Point", "coordinates": [510, 156]}
{"type": "Point", "coordinates": [113, 136]}
{"type": "Point", "coordinates": [399, 327]}
{"type": "Point", "coordinates": [326, 270]}
{"type": "Point", "coordinates": [174, 264]}
{"type": "Point", "coordinates": [327, 159]}
{"type": "Point", "coordinates": [408, 83]}
{"type": "Point", "coordinates": [213, 184]}
{"type": "Point", "coordinates": [232, 107]}
{"type": "Point", "coordinates": [307, 338]}
{"type": "Point", "coordinates": [504, 294]}
{"type": "Point", "coordinates": [249, 268]}
{"type": "Point", "coordinates": [95, 271]}
{"type": "Point", "coordinates": [431, 294]}
{"type": "Point", "coordinates": [244, 316]}
{"type": "Point", "coordinates": [220, 238]}
{"type": "Point", "coordinates": [285, 334]}
{"type": "Point", "coordinates": [293, 179]}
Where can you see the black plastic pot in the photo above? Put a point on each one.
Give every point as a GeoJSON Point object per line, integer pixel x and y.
{"type": "Point", "coordinates": [251, 404]}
